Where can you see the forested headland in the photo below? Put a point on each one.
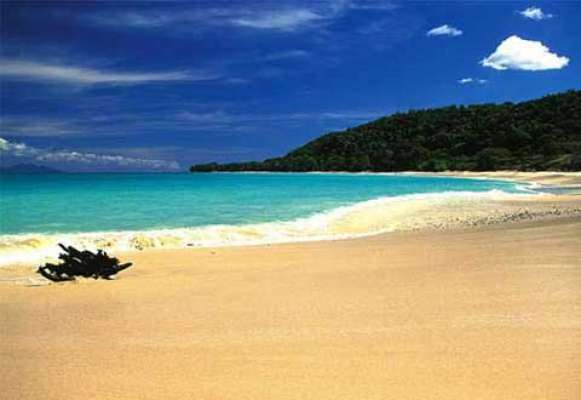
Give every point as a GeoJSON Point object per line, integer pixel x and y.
{"type": "Point", "coordinates": [542, 134]}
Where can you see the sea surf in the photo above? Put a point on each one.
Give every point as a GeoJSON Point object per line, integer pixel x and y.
{"type": "Point", "coordinates": [139, 211]}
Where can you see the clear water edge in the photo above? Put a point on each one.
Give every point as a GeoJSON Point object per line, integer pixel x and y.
{"type": "Point", "coordinates": [123, 211]}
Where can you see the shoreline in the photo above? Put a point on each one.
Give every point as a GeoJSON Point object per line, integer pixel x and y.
{"type": "Point", "coordinates": [488, 312]}
{"type": "Point", "coordinates": [485, 310]}
{"type": "Point", "coordinates": [435, 211]}
{"type": "Point", "coordinates": [540, 177]}
{"type": "Point", "coordinates": [544, 178]}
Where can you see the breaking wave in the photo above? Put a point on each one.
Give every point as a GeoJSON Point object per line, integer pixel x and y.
{"type": "Point", "coordinates": [386, 214]}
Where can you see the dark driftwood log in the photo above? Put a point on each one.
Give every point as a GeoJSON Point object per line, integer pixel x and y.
{"type": "Point", "coordinates": [82, 263]}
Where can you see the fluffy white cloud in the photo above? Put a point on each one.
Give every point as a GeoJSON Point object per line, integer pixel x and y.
{"type": "Point", "coordinates": [68, 156]}
{"type": "Point", "coordinates": [444, 30]}
{"type": "Point", "coordinates": [78, 75]}
{"type": "Point", "coordinates": [521, 54]}
{"type": "Point", "coordinates": [465, 81]}
{"type": "Point", "coordinates": [535, 13]}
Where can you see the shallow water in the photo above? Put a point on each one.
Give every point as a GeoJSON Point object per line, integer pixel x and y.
{"type": "Point", "coordinates": [137, 211]}
{"type": "Point", "coordinates": [65, 203]}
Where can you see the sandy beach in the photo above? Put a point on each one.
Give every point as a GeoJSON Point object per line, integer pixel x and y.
{"type": "Point", "coordinates": [480, 301]}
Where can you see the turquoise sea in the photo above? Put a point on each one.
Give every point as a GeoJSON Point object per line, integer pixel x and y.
{"type": "Point", "coordinates": [64, 203]}
{"type": "Point", "coordinates": [127, 211]}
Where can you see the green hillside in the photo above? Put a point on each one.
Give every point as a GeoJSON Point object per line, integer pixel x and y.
{"type": "Point", "coordinates": [543, 134]}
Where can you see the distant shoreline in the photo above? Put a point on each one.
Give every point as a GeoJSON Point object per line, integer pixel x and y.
{"type": "Point", "coordinates": [561, 178]}
{"type": "Point", "coordinates": [565, 178]}
{"type": "Point", "coordinates": [540, 177]}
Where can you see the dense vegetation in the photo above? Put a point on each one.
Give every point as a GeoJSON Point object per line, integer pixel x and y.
{"type": "Point", "coordinates": [543, 134]}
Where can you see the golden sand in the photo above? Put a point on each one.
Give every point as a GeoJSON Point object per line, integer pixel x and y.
{"type": "Point", "coordinates": [492, 312]}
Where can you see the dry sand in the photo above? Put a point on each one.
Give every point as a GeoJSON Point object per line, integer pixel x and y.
{"type": "Point", "coordinates": [492, 312]}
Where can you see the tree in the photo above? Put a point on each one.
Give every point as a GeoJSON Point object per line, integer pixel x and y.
{"type": "Point", "coordinates": [543, 133]}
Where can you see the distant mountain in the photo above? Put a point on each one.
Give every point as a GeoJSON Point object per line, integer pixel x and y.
{"type": "Point", "coordinates": [543, 134]}
{"type": "Point", "coordinates": [29, 169]}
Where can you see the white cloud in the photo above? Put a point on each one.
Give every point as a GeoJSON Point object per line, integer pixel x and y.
{"type": "Point", "coordinates": [444, 30]}
{"type": "Point", "coordinates": [32, 70]}
{"type": "Point", "coordinates": [520, 54]}
{"type": "Point", "coordinates": [535, 13]}
{"type": "Point", "coordinates": [286, 20]}
{"type": "Point", "coordinates": [269, 18]}
{"type": "Point", "coordinates": [68, 156]}
{"type": "Point", "coordinates": [256, 15]}
{"type": "Point", "coordinates": [465, 81]}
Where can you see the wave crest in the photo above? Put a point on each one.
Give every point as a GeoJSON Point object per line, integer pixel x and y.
{"type": "Point", "coordinates": [370, 217]}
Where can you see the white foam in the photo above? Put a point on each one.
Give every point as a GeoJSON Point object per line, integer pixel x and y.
{"type": "Point", "coordinates": [360, 219]}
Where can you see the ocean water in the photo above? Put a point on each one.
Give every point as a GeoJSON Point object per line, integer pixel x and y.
{"type": "Point", "coordinates": [173, 210]}
{"type": "Point", "coordinates": [65, 203]}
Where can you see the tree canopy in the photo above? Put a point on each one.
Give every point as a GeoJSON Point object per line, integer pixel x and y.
{"type": "Point", "coordinates": [542, 134]}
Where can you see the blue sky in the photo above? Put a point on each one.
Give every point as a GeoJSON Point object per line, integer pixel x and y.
{"type": "Point", "coordinates": [159, 86]}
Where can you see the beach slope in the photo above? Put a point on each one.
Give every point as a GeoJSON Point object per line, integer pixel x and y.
{"type": "Point", "coordinates": [489, 313]}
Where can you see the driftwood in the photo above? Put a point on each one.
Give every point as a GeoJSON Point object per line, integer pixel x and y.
{"type": "Point", "coordinates": [82, 263]}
